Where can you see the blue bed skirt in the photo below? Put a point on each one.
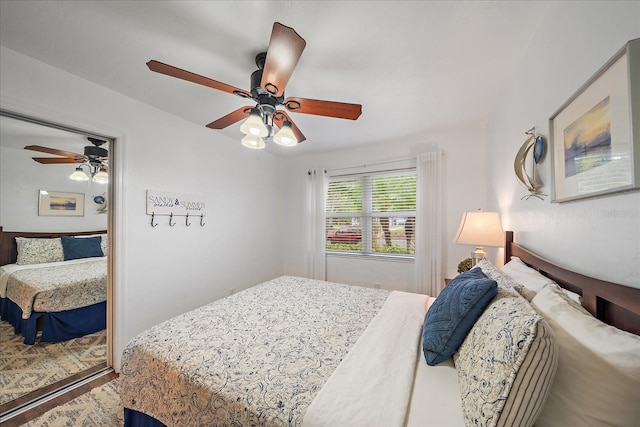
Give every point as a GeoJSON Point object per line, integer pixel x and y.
{"type": "Point", "coordinates": [57, 326]}
{"type": "Point", "coordinates": [138, 419]}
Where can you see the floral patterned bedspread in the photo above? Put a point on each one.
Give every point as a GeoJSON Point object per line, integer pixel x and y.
{"type": "Point", "coordinates": [258, 357]}
{"type": "Point", "coordinates": [58, 288]}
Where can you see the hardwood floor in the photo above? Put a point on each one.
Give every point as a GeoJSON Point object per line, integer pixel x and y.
{"type": "Point", "coordinates": [65, 397]}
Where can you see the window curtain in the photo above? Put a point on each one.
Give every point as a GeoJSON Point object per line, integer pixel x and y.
{"type": "Point", "coordinates": [429, 222]}
{"type": "Point", "coordinates": [317, 187]}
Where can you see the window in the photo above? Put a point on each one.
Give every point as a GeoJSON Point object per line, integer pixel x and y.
{"type": "Point", "coordinates": [372, 214]}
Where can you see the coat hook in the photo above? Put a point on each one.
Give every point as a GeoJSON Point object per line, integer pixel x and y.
{"type": "Point", "coordinates": [201, 218]}
{"type": "Point", "coordinates": [171, 223]}
{"type": "Point", "coordinates": [186, 221]}
{"type": "Point", "coordinates": [153, 216]}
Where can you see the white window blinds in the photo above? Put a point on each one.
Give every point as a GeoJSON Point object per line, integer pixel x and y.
{"type": "Point", "coordinates": [372, 213]}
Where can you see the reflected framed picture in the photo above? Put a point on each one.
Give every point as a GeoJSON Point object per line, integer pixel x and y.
{"type": "Point", "coordinates": [595, 135]}
{"type": "Point", "coordinates": [56, 203]}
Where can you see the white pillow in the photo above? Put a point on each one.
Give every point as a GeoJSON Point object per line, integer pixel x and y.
{"type": "Point", "coordinates": [598, 376]}
{"type": "Point", "coordinates": [504, 281]}
{"type": "Point", "coordinates": [531, 278]}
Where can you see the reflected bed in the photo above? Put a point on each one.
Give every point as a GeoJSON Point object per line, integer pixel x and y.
{"type": "Point", "coordinates": [63, 299]}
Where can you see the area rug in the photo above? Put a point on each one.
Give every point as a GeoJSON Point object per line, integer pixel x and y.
{"type": "Point", "coordinates": [99, 407]}
{"type": "Point", "coordinates": [25, 368]}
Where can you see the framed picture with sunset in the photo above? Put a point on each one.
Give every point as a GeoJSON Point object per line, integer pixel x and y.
{"type": "Point", "coordinates": [56, 203]}
{"type": "Point", "coordinates": [595, 135]}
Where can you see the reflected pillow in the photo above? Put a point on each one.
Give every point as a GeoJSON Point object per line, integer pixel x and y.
{"type": "Point", "coordinates": [453, 314]}
{"type": "Point", "coordinates": [38, 250]}
{"type": "Point", "coordinates": [103, 243]}
{"type": "Point", "coordinates": [75, 248]}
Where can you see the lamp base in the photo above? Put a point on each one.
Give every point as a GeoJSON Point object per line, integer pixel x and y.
{"type": "Point", "coordinates": [477, 255]}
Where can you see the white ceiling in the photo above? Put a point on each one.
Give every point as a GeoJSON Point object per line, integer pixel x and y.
{"type": "Point", "coordinates": [414, 66]}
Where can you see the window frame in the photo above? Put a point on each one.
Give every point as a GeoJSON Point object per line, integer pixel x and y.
{"type": "Point", "coordinates": [366, 215]}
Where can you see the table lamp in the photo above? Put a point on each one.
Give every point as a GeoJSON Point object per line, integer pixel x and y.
{"type": "Point", "coordinates": [480, 229]}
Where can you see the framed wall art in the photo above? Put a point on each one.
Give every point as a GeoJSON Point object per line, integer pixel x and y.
{"type": "Point", "coordinates": [595, 135]}
{"type": "Point", "coordinates": [55, 203]}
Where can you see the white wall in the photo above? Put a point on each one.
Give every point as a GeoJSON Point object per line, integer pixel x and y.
{"type": "Point", "coordinates": [600, 236]}
{"type": "Point", "coordinates": [163, 271]}
{"type": "Point", "coordinates": [20, 181]}
{"type": "Point", "coordinates": [465, 166]}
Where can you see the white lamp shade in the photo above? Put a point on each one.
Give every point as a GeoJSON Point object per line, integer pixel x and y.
{"type": "Point", "coordinates": [480, 229]}
{"type": "Point", "coordinates": [79, 175]}
{"type": "Point", "coordinates": [254, 125]}
{"type": "Point", "coordinates": [285, 136]}
{"type": "Point", "coordinates": [101, 177]}
{"type": "Point", "coordinates": [253, 141]}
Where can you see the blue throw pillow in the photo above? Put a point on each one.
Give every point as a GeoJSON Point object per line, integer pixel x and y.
{"type": "Point", "coordinates": [86, 247]}
{"type": "Point", "coordinates": [453, 314]}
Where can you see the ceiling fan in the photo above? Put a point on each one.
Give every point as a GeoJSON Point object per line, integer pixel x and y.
{"type": "Point", "coordinates": [95, 157]}
{"type": "Point", "coordinates": [268, 84]}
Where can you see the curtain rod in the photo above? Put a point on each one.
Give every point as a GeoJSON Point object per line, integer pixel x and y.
{"type": "Point", "coordinates": [374, 164]}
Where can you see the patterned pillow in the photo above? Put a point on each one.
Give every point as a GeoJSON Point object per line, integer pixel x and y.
{"type": "Point", "coordinates": [453, 314]}
{"type": "Point", "coordinates": [506, 364]}
{"type": "Point", "coordinates": [38, 251]}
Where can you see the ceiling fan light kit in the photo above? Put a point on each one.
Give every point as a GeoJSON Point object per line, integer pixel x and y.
{"type": "Point", "coordinates": [253, 141]}
{"type": "Point", "coordinates": [95, 158]}
{"type": "Point", "coordinates": [254, 124]}
{"type": "Point", "coordinates": [101, 177]}
{"type": "Point", "coordinates": [99, 174]}
{"type": "Point", "coordinates": [268, 83]}
{"type": "Point", "coordinates": [285, 136]}
{"type": "Point", "coordinates": [79, 175]}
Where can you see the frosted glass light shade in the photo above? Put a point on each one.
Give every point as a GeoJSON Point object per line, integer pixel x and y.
{"type": "Point", "coordinates": [285, 136]}
{"type": "Point", "coordinates": [79, 175]}
{"type": "Point", "coordinates": [101, 177]}
{"type": "Point", "coordinates": [480, 229]}
{"type": "Point", "coordinates": [254, 125]}
{"type": "Point", "coordinates": [253, 141]}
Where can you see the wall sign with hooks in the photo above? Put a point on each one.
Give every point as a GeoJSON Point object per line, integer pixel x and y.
{"type": "Point", "coordinates": [173, 205]}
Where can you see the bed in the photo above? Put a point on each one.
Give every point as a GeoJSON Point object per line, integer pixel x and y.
{"type": "Point", "coordinates": [58, 290]}
{"type": "Point", "coordinates": [294, 351]}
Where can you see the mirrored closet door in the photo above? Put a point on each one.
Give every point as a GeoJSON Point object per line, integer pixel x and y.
{"type": "Point", "coordinates": [54, 210]}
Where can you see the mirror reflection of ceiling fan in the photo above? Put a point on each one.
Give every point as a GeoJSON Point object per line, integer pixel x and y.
{"type": "Point", "coordinates": [95, 158]}
{"type": "Point", "coordinates": [268, 83]}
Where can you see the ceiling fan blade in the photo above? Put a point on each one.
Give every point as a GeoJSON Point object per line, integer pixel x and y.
{"type": "Point", "coordinates": [285, 48]}
{"type": "Point", "coordinates": [169, 70]}
{"type": "Point", "coordinates": [231, 118]}
{"type": "Point", "coordinates": [48, 150]}
{"type": "Point", "coordinates": [279, 119]}
{"type": "Point", "coordinates": [340, 110]}
{"type": "Point", "coordinates": [56, 160]}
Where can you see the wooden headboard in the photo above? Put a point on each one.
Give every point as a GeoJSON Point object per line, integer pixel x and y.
{"type": "Point", "coordinates": [614, 304]}
{"type": "Point", "coordinates": [9, 250]}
